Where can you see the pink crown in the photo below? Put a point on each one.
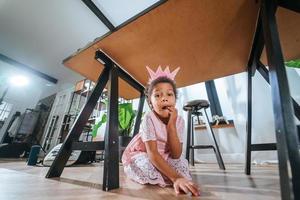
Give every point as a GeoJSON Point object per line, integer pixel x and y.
{"type": "Point", "coordinates": [160, 73]}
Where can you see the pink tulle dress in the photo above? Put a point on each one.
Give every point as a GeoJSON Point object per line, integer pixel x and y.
{"type": "Point", "coordinates": [137, 165]}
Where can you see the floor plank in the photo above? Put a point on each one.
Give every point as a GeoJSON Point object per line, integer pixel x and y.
{"type": "Point", "coordinates": [19, 181]}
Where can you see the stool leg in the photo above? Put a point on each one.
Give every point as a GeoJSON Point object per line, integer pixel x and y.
{"type": "Point", "coordinates": [215, 144]}
{"type": "Point", "coordinates": [193, 150]}
{"type": "Point", "coordinates": [188, 136]}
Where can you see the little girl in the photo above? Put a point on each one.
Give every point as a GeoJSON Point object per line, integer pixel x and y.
{"type": "Point", "coordinates": [154, 154]}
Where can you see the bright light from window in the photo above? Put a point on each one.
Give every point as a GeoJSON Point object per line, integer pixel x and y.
{"type": "Point", "coordinates": [19, 80]}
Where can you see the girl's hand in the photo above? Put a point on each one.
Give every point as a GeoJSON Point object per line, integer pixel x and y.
{"type": "Point", "coordinates": [173, 116]}
{"type": "Point", "coordinates": [182, 184]}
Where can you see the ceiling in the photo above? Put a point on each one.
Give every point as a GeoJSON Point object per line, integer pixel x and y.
{"type": "Point", "coordinates": [41, 34]}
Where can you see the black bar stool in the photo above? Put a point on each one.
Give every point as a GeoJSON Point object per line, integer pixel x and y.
{"type": "Point", "coordinates": [197, 108]}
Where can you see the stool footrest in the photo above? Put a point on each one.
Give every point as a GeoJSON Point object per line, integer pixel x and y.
{"type": "Point", "coordinates": [202, 147]}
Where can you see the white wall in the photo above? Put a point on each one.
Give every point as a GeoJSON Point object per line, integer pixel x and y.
{"type": "Point", "coordinates": [232, 92]}
{"type": "Point", "coordinates": [60, 86]}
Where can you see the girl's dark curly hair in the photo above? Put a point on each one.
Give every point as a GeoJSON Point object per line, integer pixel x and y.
{"type": "Point", "coordinates": [149, 88]}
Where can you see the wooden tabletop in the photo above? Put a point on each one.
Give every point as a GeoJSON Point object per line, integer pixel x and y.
{"type": "Point", "coordinates": [207, 39]}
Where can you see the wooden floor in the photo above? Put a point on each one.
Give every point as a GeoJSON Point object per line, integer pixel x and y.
{"type": "Point", "coordinates": [19, 181]}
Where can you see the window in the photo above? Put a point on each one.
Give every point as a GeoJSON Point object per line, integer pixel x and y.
{"type": "Point", "coordinates": [5, 109]}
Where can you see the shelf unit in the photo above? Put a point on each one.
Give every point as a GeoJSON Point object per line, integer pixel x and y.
{"type": "Point", "coordinates": [79, 97]}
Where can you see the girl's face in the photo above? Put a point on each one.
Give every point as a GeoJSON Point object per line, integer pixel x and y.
{"type": "Point", "coordinates": [161, 98]}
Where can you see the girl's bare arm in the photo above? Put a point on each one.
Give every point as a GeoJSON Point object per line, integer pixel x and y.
{"type": "Point", "coordinates": [173, 140]}
{"type": "Point", "coordinates": [174, 143]}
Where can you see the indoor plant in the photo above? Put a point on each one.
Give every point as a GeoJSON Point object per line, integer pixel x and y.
{"type": "Point", "coordinates": [126, 122]}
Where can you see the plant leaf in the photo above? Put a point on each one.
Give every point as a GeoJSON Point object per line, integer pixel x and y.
{"type": "Point", "coordinates": [293, 63]}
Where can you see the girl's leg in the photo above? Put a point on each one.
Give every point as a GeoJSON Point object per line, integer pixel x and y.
{"type": "Point", "coordinates": [142, 171]}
